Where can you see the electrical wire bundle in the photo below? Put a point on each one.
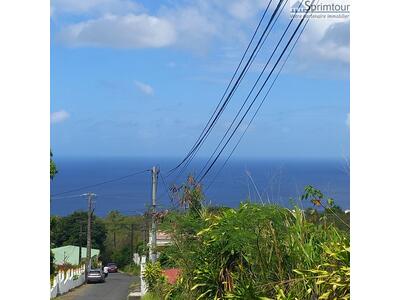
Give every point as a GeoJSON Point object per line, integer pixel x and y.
{"type": "Point", "coordinates": [259, 91]}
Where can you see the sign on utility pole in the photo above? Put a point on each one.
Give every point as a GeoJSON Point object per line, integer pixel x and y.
{"type": "Point", "coordinates": [154, 177]}
{"type": "Point", "coordinates": [89, 234]}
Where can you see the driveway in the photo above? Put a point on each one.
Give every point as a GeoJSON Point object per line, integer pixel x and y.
{"type": "Point", "coordinates": [116, 287]}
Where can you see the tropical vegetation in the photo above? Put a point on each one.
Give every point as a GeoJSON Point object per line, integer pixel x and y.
{"type": "Point", "coordinates": [117, 236]}
{"type": "Point", "coordinates": [254, 251]}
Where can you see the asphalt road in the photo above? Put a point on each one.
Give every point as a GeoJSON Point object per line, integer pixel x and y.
{"type": "Point", "coordinates": [116, 287]}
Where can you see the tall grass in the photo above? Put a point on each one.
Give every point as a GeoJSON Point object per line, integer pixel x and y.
{"type": "Point", "coordinates": [257, 252]}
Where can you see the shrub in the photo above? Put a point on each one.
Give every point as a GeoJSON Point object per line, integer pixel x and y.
{"type": "Point", "coordinates": [52, 280]}
{"type": "Point", "coordinates": [257, 252]}
{"type": "Point", "coordinates": [52, 266]}
{"type": "Point", "coordinates": [151, 296]}
{"type": "Point", "coordinates": [153, 276]}
{"type": "Point", "coordinates": [330, 280]}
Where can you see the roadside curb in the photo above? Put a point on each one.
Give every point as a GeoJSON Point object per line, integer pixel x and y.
{"type": "Point", "coordinates": [134, 296]}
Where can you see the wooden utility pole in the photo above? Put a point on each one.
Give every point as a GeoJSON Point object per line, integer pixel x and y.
{"type": "Point", "coordinates": [132, 227]}
{"type": "Point", "coordinates": [80, 243]}
{"type": "Point", "coordinates": [89, 234]}
{"type": "Point", "coordinates": [154, 177]}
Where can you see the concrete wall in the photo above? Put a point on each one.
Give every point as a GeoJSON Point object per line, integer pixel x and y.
{"type": "Point", "coordinates": [64, 282]}
{"type": "Point", "coordinates": [136, 259]}
{"type": "Point", "coordinates": [143, 285]}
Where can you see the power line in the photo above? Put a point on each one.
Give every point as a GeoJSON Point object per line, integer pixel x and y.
{"type": "Point", "coordinates": [255, 98]}
{"type": "Point", "coordinates": [249, 94]}
{"type": "Point", "coordinates": [235, 88]}
{"type": "Point", "coordinates": [165, 187]}
{"type": "Point", "coordinates": [127, 197]}
{"type": "Point", "coordinates": [238, 80]}
{"type": "Point", "coordinates": [257, 93]}
{"type": "Point", "coordinates": [227, 88]}
{"type": "Point", "coordinates": [254, 115]}
{"type": "Point", "coordinates": [66, 197]}
{"type": "Point", "coordinates": [100, 183]}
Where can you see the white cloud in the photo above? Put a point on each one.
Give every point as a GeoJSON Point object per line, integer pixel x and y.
{"type": "Point", "coordinates": [194, 28]}
{"type": "Point", "coordinates": [129, 31]}
{"type": "Point", "coordinates": [191, 25]}
{"type": "Point", "coordinates": [348, 120]}
{"type": "Point", "coordinates": [331, 44]}
{"type": "Point", "coordinates": [93, 6]}
{"type": "Point", "coordinates": [197, 25]}
{"type": "Point", "coordinates": [245, 9]}
{"type": "Point", "coordinates": [200, 23]}
{"type": "Point", "coordinates": [144, 88]}
{"type": "Point", "coordinates": [59, 116]}
{"type": "Point", "coordinates": [326, 40]}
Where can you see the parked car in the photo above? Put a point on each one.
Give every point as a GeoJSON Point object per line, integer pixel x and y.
{"type": "Point", "coordinates": [96, 275]}
{"type": "Point", "coordinates": [112, 268]}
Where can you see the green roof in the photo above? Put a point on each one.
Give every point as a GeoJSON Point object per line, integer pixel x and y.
{"type": "Point", "coordinates": [70, 254]}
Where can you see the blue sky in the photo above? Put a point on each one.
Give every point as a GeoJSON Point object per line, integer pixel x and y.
{"type": "Point", "coordinates": [131, 78]}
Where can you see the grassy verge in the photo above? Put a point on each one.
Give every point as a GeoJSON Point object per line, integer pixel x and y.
{"type": "Point", "coordinates": [131, 269]}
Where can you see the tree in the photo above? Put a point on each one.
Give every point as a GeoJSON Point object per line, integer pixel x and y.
{"type": "Point", "coordinates": [332, 211]}
{"type": "Point", "coordinates": [65, 230]}
{"type": "Point", "coordinates": [121, 256]}
{"type": "Point", "coordinates": [53, 172]}
{"type": "Point", "coordinates": [113, 221]}
{"type": "Point", "coordinates": [190, 195]}
{"type": "Point", "coordinates": [121, 241]}
{"type": "Point", "coordinates": [53, 167]}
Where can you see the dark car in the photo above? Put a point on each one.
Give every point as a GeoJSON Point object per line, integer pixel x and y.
{"type": "Point", "coordinates": [112, 268]}
{"type": "Point", "coordinates": [95, 275]}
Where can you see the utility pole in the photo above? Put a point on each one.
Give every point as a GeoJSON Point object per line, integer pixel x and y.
{"type": "Point", "coordinates": [80, 243]}
{"type": "Point", "coordinates": [89, 233]}
{"type": "Point", "coordinates": [132, 227]}
{"type": "Point", "coordinates": [154, 177]}
{"type": "Point", "coordinates": [145, 234]}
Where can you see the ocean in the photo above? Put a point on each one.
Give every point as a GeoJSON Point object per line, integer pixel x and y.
{"type": "Point", "coordinates": [268, 181]}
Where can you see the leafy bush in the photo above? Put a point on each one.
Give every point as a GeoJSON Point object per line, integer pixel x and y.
{"type": "Point", "coordinates": [151, 296]}
{"type": "Point", "coordinates": [330, 280]}
{"type": "Point", "coordinates": [52, 265]}
{"type": "Point", "coordinates": [157, 283]}
{"type": "Point", "coordinates": [142, 248]}
{"type": "Point", "coordinates": [153, 275]}
{"type": "Point", "coordinates": [258, 252]}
